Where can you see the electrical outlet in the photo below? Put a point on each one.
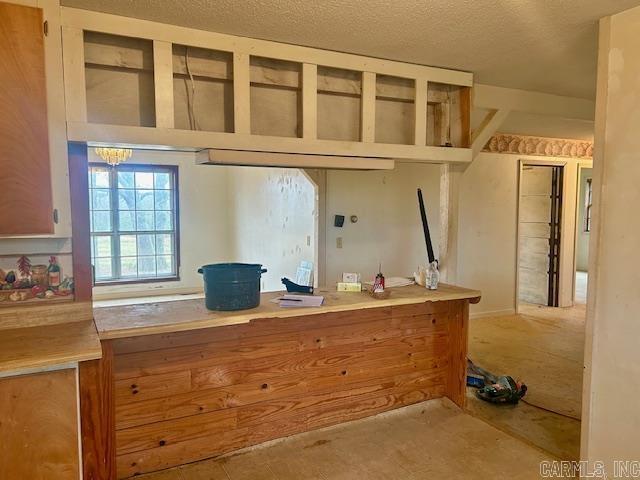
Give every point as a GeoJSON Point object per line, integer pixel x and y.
{"type": "Point", "coordinates": [308, 240]}
{"type": "Point", "coordinates": [338, 242]}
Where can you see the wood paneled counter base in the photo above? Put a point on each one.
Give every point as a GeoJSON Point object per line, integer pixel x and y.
{"type": "Point", "coordinates": [176, 397]}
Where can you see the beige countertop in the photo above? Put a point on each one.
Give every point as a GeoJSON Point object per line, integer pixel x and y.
{"type": "Point", "coordinates": [164, 317]}
{"type": "Point", "coordinates": [42, 346]}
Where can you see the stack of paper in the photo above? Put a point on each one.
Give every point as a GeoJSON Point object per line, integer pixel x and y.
{"type": "Point", "coordinates": [291, 300]}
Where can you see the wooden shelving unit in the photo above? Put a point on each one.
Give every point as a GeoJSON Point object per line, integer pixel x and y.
{"type": "Point", "coordinates": [137, 82]}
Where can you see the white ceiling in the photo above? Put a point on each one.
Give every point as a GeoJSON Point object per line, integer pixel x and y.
{"type": "Point", "coordinates": [541, 45]}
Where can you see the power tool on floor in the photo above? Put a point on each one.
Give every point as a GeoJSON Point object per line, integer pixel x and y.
{"type": "Point", "coordinates": [494, 389]}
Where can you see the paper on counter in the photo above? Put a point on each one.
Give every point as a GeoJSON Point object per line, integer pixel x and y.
{"type": "Point", "coordinates": [299, 300]}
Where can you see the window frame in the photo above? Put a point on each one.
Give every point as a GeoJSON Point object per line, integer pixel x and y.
{"type": "Point", "coordinates": [588, 204]}
{"type": "Point", "coordinates": [115, 221]}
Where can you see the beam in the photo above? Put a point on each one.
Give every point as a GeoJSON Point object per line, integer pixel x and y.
{"type": "Point", "coordinates": [420, 120]}
{"type": "Point", "coordinates": [163, 82]}
{"type": "Point", "coordinates": [309, 101]}
{"type": "Point", "coordinates": [75, 85]}
{"type": "Point", "coordinates": [290, 160]}
{"type": "Point", "coordinates": [191, 140]}
{"type": "Point", "coordinates": [368, 102]}
{"type": "Point", "coordinates": [499, 98]}
{"type": "Point", "coordinates": [241, 93]}
{"type": "Point", "coordinates": [486, 129]}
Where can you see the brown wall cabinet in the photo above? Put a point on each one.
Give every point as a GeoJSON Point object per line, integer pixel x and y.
{"type": "Point", "coordinates": [26, 205]}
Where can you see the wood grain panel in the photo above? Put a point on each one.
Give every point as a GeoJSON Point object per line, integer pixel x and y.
{"type": "Point", "coordinates": [258, 327]}
{"type": "Point", "coordinates": [39, 427]}
{"type": "Point", "coordinates": [458, 333]}
{"type": "Point", "coordinates": [152, 386]}
{"type": "Point", "coordinates": [204, 393]}
{"type": "Point", "coordinates": [97, 406]}
{"type": "Point", "coordinates": [358, 406]}
{"type": "Point", "coordinates": [284, 376]}
{"type": "Point", "coordinates": [80, 225]}
{"type": "Point", "coordinates": [25, 183]}
{"type": "Point", "coordinates": [249, 342]}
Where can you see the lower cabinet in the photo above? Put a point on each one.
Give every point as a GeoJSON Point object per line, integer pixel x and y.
{"type": "Point", "coordinates": [39, 426]}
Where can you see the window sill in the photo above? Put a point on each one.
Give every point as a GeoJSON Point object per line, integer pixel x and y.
{"type": "Point", "coordinates": [137, 281]}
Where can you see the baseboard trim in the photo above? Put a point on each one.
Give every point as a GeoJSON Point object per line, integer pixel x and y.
{"type": "Point", "coordinates": [494, 313]}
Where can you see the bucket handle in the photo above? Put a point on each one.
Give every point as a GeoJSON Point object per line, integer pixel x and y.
{"type": "Point", "coordinates": [200, 271]}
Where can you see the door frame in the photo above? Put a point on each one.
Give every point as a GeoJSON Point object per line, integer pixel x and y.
{"type": "Point", "coordinates": [578, 224]}
{"type": "Point", "coordinates": [522, 162]}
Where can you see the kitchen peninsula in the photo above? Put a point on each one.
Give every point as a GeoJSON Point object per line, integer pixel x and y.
{"type": "Point", "coordinates": [179, 383]}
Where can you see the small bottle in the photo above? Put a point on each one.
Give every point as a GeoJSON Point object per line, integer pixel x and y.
{"type": "Point", "coordinates": [433, 276]}
{"type": "Point", "coordinates": [378, 285]}
{"type": "Point", "coordinates": [54, 272]}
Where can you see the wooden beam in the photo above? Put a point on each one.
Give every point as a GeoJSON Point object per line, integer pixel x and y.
{"type": "Point", "coordinates": [291, 160]}
{"type": "Point", "coordinates": [499, 98]}
{"type": "Point", "coordinates": [464, 116]}
{"type": "Point", "coordinates": [309, 101]}
{"type": "Point", "coordinates": [458, 334]}
{"type": "Point", "coordinates": [81, 238]}
{"type": "Point", "coordinates": [190, 140]}
{"type": "Point", "coordinates": [241, 93]}
{"type": "Point", "coordinates": [75, 88]}
{"type": "Point", "coordinates": [163, 82]}
{"type": "Point", "coordinates": [486, 129]}
{"type": "Point", "coordinates": [420, 121]}
{"type": "Point", "coordinates": [97, 413]}
{"type": "Point", "coordinates": [368, 108]}
{"type": "Point", "coordinates": [450, 176]}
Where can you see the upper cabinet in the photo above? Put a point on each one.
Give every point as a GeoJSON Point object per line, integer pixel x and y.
{"type": "Point", "coordinates": [33, 166]}
{"type": "Point", "coordinates": [25, 182]}
{"type": "Point", "coordinates": [130, 81]}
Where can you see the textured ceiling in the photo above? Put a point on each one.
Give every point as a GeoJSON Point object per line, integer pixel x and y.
{"type": "Point", "coordinates": [541, 45]}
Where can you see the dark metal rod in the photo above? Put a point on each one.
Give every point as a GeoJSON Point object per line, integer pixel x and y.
{"type": "Point", "coordinates": [425, 227]}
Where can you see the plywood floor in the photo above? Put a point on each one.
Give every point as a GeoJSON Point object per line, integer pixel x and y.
{"type": "Point", "coordinates": [544, 347]}
{"type": "Point", "coordinates": [433, 439]}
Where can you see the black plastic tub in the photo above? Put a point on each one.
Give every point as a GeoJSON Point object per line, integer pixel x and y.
{"type": "Point", "coordinates": [232, 286]}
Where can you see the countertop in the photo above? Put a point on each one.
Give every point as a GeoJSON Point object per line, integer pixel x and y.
{"type": "Point", "coordinates": [42, 346]}
{"type": "Point", "coordinates": [180, 315]}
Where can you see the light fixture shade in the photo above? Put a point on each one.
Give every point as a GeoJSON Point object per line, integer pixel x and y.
{"type": "Point", "coordinates": [113, 156]}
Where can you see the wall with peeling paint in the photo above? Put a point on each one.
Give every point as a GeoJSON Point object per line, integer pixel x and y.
{"type": "Point", "coordinates": [271, 220]}
{"type": "Point", "coordinates": [233, 214]}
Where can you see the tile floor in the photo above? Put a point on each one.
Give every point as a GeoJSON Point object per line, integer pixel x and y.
{"type": "Point", "coordinates": [430, 440]}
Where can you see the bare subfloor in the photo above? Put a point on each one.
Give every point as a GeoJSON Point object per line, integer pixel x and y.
{"type": "Point", "coordinates": [430, 440]}
{"type": "Point", "coordinates": [544, 347]}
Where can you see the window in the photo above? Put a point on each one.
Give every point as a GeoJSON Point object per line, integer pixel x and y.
{"type": "Point", "coordinates": [133, 222]}
{"type": "Point", "coordinates": [588, 200]}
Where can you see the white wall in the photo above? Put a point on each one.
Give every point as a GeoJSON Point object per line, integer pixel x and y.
{"type": "Point", "coordinates": [389, 230]}
{"type": "Point", "coordinates": [582, 237]}
{"type": "Point", "coordinates": [487, 226]}
{"type": "Point", "coordinates": [611, 419]}
{"type": "Point", "coordinates": [487, 230]}
{"type": "Point", "coordinates": [271, 220]}
{"type": "Point", "coordinates": [204, 236]}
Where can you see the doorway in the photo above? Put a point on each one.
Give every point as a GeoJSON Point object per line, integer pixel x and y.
{"type": "Point", "coordinates": [583, 229]}
{"type": "Point", "coordinates": [540, 232]}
